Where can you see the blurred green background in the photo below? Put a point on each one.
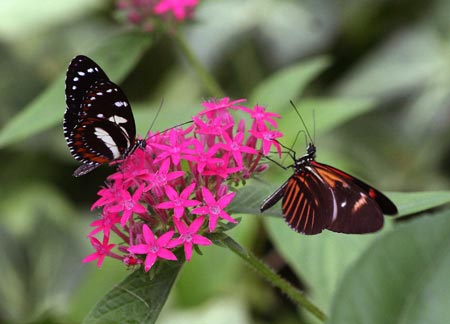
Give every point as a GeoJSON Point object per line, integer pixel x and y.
{"type": "Point", "coordinates": [376, 73]}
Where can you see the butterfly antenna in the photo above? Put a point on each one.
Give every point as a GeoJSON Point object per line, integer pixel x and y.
{"type": "Point", "coordinates": [290, 151]}
{"type": "Point", "coordinates": [314, 125]}
{"type": "Point", "coordinates": [277, 163]}
{"type": "Point", "coordinates": [303, 122]}
{"type": "Point", "coordinates": [156, 116]}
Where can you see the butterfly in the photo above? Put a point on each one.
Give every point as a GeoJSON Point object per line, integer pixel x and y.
{"type": "Point", "coordinates": [318, 196]}
{"type": "Point", "coordinates": [99, 125]}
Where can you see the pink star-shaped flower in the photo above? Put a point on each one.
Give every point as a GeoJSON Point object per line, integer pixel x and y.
{"type": "Point", "coordinates": [235, 147]}
{"type": "Point", "coordinates": [101, 250]}
{"type": "Point", "coordinates": [260, 115]}
{"type": "Point", "coordinates": [219, 167]}
{"type": "Point", "coordinates": [108, 221]}
{"type": "Point", "coordinates": [268, 138]}
{"type": "Point", "coordinates": [222, 105]}
{"type": "Point", "coordinates": [178, 201]}
{"type": "Point", "coordinates": [160, 178]}
{"type": "Point", "coordinates": [129, 205]}
{"type": "Point", "coordinates": [153, 248]}
{"type": "Point", "coordinates": [109, 195]}
{"type": "Point", "coordinates": [188, 236]}
{"type": "Point", "coordinates": [214, 208]}
{"type": "Point", "coordinates": [174, 149]}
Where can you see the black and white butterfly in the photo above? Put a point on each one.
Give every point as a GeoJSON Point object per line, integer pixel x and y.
{"type": "Point", "coordinates": [99, 125]}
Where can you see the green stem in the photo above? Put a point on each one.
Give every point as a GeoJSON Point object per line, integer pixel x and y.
{"type": "Point", "coordinates": [207, 79]}
{"type": "Point", "coordinates": [270, 275]}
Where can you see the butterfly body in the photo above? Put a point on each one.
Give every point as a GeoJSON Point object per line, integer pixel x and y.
{"type": "Point", "coordinates": [318, 196]}
{"type": "Point", "coordinates": [99, 125]}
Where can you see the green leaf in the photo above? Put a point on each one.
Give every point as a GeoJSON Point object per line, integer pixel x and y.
{"type": "Point", "coordinates": [248, 199]}
{"type": "Point", "coordinates": [323, 259]}
{"type": "Point", "coordinates": [402, 278]}
{"type": "Point", "coordinates": [48, 108]}
{"type": "Point", "coordinates": [12, 28]}
{"type": "Point", "coordinates": [288, 83]}
{"type": "Point", "coordinates": [137, 299]}
{"type": "Point", "coordinates": [415, 202]}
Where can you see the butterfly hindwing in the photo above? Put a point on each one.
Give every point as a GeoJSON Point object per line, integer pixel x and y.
{"type": "Point", "coordinates": [308, 205]}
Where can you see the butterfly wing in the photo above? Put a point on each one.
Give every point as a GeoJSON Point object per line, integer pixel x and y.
{"type": "Point", "coordinates": [308, 203]}
{"type": "Point", "coordinates": [273, 198]}
{"type": "Point", "coordinates": [98, 123]}
{"type": "Point", "coordinates": [360, 207]}
{"type": "Point", "coordinates": [106, 129]}
{"type": "Point", "coordinates": [81, 75]}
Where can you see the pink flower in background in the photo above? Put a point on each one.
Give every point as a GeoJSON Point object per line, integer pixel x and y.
{"type": "Point", "coordinates": [148, 14]}
{"type": "Point", "coordinates": [177, 190]}
{"type": "Point", "coordinates": [179, 8]}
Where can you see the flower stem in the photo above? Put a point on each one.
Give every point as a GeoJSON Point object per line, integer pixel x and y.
{"type": "Point", "coordinates": [269, 274]}
{"type": "Point", "coordinates": [207, 79]}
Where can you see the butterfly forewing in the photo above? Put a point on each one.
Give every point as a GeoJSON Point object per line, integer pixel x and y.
{"type": "Point", "coordinates": [357, 212]}
{"type": "Point", "coordinates": [308, 204]}
{"type": "Point", "coordinates": [81, 74]}
{"type": "Point", "coordinates": [385, 204]}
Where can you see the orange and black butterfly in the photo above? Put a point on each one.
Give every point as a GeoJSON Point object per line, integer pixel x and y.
{"type": "Point", "coordinates": [318, 196]}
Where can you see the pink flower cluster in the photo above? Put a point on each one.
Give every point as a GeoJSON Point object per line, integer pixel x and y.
{"type": "Point", "coordinates": [147, 13]}
{"type": "Point", "coordinates": [176, 190]}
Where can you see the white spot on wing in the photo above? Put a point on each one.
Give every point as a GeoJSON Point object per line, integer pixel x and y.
{"type": "Point", "coordinates": [81, 73]}
{"type": "Point", "coordinates": [108, 141]}
{"type": "Point", "coordinates": [117, 119]}
{"type": "Point", "coordinates": [118, 103]}
{"type": "Point", "coordinates": [99, 93]}
{"type": "Point", "coordinates": [75, 79]}
{"type": "Point", "coordinates": [90, 70]}
{"type": "Point", "coordinates": [74, 87]}
{"type": "Point", "coordinates": [100, 115]}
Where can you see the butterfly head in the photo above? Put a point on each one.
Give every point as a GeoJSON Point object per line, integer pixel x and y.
{"type": "Point", "coordinates": [306, 158]}
{"type": "Point", "coordinates": [311, 151]}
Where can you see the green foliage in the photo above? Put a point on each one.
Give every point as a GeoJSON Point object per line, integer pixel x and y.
{"type": "Point", "coordinates": [401, 278]}
{"type": "Point", "coordinates": [137, 299]}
